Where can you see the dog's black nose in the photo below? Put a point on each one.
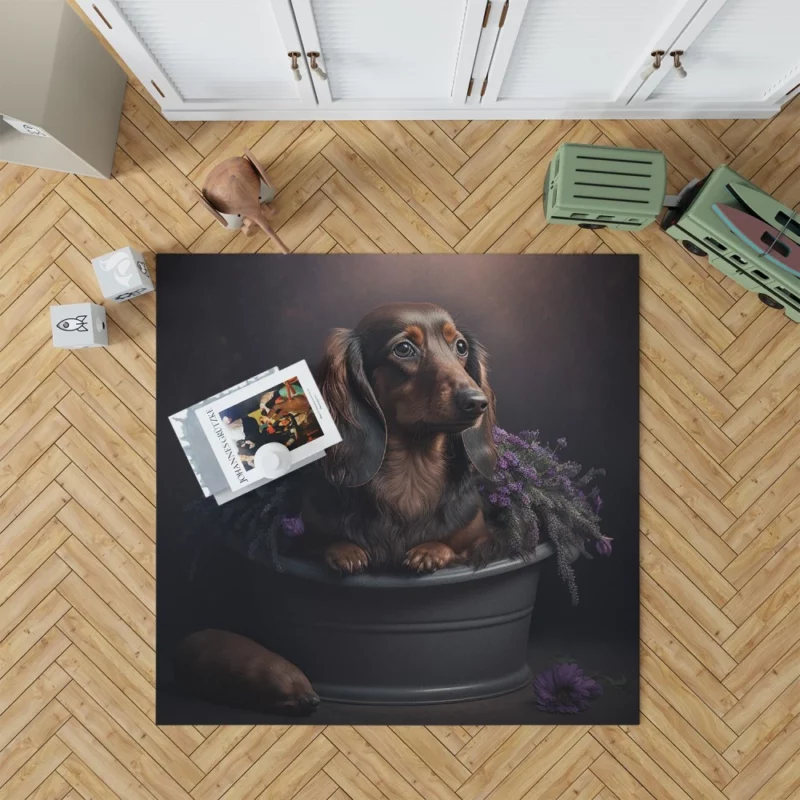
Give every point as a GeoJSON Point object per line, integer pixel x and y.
{"type": "Point", "coordinates": [472, 401]}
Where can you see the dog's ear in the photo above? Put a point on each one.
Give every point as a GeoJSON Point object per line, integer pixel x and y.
{"type": "Point", "coordinates": [478, 441]}
{"type": "Point", "coordinates": [344, 385]}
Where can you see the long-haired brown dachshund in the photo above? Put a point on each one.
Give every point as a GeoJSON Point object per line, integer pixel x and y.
{"type": "Point", "coordinates": [409, 393]}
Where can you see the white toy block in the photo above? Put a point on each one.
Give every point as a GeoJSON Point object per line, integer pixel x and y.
{"type": "Point", "coordinates": [79, 325]}
{"type": "Point", "coordinates": [122, 274]}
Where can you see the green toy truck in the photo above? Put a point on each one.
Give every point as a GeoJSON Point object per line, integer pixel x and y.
{"type": "Point", "coordinates": [608, 187]}
{"type": "Point", "coordinates": [696, 225]}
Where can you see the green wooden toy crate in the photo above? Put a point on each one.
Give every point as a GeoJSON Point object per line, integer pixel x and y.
{"type": "Point", "coordinates": [696, 225]}
{"type": "Point", "coordinates": [605, 187]}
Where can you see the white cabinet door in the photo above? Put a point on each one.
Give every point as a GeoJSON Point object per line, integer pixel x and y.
{"type": "Point", "coordinates": [564, 54]}
{"type": "Point", "coordinates": [735, 51]}
{"type": "Point", "coordinates": [391, 54]}
{"type": "Point", "coordinates": [208, 54]}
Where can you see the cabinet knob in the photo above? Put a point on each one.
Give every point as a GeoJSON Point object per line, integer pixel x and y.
{"type": "Point", "coordinates": [315, 68]}
{"type": "Point", "coordinates": [676, 59]}
{"type": "Point", "coordinates": [657, 56]}
{"type": "Point", "coordinates": [295, 66]}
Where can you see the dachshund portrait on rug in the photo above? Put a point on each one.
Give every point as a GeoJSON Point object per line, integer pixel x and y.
{"type": "Point", "coordinates": [408, 391]}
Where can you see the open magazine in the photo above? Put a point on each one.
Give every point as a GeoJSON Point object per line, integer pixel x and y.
{"type": "Point", "coordinates": [221, 435]}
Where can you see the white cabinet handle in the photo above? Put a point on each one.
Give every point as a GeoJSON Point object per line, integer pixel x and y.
{"type": "Point", "coordinates": [315, 68]}
{"type": "Point", "coordinates": [657, 56]}
{"type": "Point", "coordinates": [676, 58]}
{"type": "Point", "coordinates": [295, 66]}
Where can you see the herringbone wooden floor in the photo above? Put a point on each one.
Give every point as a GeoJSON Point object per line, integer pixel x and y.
{"type": "Point", "coordinates": [720, 468]}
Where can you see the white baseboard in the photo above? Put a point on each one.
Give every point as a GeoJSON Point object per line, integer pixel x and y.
{"type": "Point", "coordinates": [649, 111]}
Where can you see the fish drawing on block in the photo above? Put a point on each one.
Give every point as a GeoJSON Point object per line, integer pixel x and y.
{"type": "Point", "coordinates": [763, 238]}
{"type": "Point", "coordinates": [74, 324]}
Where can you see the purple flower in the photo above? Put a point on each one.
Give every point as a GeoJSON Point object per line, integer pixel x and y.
{"type": "Point", "coordinates": [293, 526]}
{"type": "Point", "coordinates": [603, 545]}
{"type": "Point", "coordinates": [529, 473]}
{"type": "Point", "coordinates": [516, 440]}
{"type": "Point", "coordinates": [562, 442]}
{"type": "Point", "coordinates": [499, 435]}
{"type": "Point", "coordinates": [564, 689]}
{"type": "Point", "coordinates": [598, 503]}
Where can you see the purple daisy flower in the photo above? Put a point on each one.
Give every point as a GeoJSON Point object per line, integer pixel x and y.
{"type": "Point", "coordinates": [564, 689]}
{"type": "Point", "coordinates": [603, 545]}
{"type": "Point", "coordinates": [293, 526]}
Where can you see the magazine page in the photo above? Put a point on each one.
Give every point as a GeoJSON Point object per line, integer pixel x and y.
{"type": "Point", "coordinates": [226, 495]}
{"type": "Point", "coordinates": [195, 445]}
{"type": "Point", "coordinates": [286, 407]}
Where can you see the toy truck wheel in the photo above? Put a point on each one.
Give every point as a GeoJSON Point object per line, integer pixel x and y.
{"type": "Point", "coordinates": [693, 248]}
{"type": "Point", "coordinates": [769, 301]}
{"type": "Point", "coordinates": [592, 226]}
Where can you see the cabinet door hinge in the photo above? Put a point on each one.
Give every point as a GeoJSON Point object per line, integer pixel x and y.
{"type": "Point", "coordinates": [483, 88]}
{"type": "Point", "coordinates": [503, 15]}
{"type": "Point", "coordinates": [469, 88]}
{"type": "Point", "coordinates": [486, 13]}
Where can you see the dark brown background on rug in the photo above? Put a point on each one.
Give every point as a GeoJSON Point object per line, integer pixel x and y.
{"type": "Point", "coordinates": [562, 336]}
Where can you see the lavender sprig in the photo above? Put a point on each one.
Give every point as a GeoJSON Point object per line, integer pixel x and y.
{"type": "Point", "coordinates": [534, 493]}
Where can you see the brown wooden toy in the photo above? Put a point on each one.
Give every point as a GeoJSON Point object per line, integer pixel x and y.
{"type": "Point", "coordinates": [236, 192]}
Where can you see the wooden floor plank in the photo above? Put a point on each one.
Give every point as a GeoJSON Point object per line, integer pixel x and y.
{"type": "Point", "coordinates": [151, 739]}
{"type": "Point", "coordinates": [684, 556]}
{"type": "Point", "coordinates": [437, 143]}
{"type": "Point", "coordinates": [31, 629]}
{"type": "Point", "coordinates": [159, 131]}
{"type": "Point", "coordinates": [102, 436]}
{"type": "Point", "coordinates": [386, 200]}
{"type": "Point", "coordinates": [508, 173]}
{"type": "Point", "coordinates": [120, 599]}
{"type": "Point", "coordinates": [419, 161]}
{"type": "Point", "coordinates": [95, 608]}
{"type": "Point", "coordinates": [109, 480]}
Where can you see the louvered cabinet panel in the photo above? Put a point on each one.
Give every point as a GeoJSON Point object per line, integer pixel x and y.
{"type": "Point", "coordinates": [389, 52]}
{"type": "Point", "coordinates": [748, 51]}
{"type": "Point", "coordinates": [579, 50]}
{"type": "Point", "coordinates": [210, 49]}
{"type": "Point", "coordinates": [208, 53]}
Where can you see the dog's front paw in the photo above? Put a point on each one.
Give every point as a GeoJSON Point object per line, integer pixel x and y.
{"type": "Point", "coordinates": [429, 556]}
{"type": "Point", "coordinates": [346, 557]}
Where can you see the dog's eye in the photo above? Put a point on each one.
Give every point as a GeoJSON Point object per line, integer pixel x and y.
{"type": "Point", "coordinates": [462, 347]}
{"type": "Point", "coordinates": [403, 350]}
